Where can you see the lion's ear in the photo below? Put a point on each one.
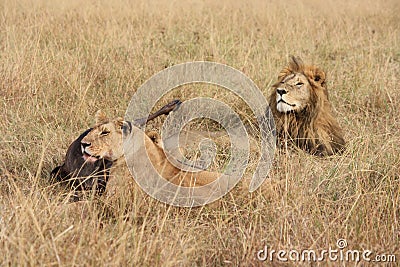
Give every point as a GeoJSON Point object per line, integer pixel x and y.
{"type": "Point", "coordinates": [319, 76]}
{"type": "Point", "coordinates": [101, 117]}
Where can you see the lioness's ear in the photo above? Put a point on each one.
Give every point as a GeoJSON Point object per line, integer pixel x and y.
{"type": "Point", "coordinates": [101, 117]}
{"type": "Point", "coordinates": [127, 127]}
{"type": "Point", "coordinates": [119, 122]}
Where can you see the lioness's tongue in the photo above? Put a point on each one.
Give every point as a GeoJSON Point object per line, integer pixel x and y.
{"type": "Point", "coordinates": [92, 159]}
{"type": "Point", "coordinates": [89, 158]}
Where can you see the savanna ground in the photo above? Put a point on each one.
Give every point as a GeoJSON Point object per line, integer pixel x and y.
{"type": "Point", "coordinates": [63, 60]}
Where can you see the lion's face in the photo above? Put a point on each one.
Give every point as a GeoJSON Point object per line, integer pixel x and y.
{"type": "Point", "coordinates": [105, 140]}
{"type": "Point", "coordinates": [292, 93]}
{"type": "Point", "coordinates": [298, 87]}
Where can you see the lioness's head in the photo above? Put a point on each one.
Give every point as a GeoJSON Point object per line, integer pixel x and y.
{"type": "Point", "coordinates": [105, 140]}
{"type": "Point", "coordinates": [297, 86]}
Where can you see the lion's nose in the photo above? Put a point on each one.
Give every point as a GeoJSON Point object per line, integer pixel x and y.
{"type": "Point", "coordinates": [281, 91]}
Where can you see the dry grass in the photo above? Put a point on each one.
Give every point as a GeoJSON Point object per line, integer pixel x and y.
{"type": "Point", "coordinates": [63, 60]}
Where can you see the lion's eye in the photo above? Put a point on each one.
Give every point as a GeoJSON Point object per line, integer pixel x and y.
{"type": "Point", "coordinates": [104, 132]}
{"type": "Point", "coordinates": [299, 84]}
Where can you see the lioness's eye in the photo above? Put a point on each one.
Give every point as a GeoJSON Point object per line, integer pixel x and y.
{"type": "Point", "coordinates": [299, 84]}
{"type": "Point", "coordinates": [104, 132]}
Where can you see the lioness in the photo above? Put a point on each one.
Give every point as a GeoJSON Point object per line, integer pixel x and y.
{"type": "Point", "coordinates": [105, 142]}
{"type": "Point", "coordinates": [87, 175]}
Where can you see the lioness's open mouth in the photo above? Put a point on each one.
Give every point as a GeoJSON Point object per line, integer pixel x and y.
{"type": "Point", "coordinates": [87, 157]}
{"type": "Point", "coordinates": [90, 158]}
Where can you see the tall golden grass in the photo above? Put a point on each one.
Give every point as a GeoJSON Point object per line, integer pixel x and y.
{"type": "Point", "coordinates": [63, 60]}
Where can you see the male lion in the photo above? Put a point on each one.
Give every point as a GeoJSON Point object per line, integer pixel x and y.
{"type": "Point", "coordinates": [105, 141]}
{"type": "Point", "coordinates": [302, 111]}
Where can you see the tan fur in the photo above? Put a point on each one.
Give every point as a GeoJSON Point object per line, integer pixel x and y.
{"type": "Point", "coordinates": [105, 141]}
{"type": "Point", "coordinates": [308, 121]}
